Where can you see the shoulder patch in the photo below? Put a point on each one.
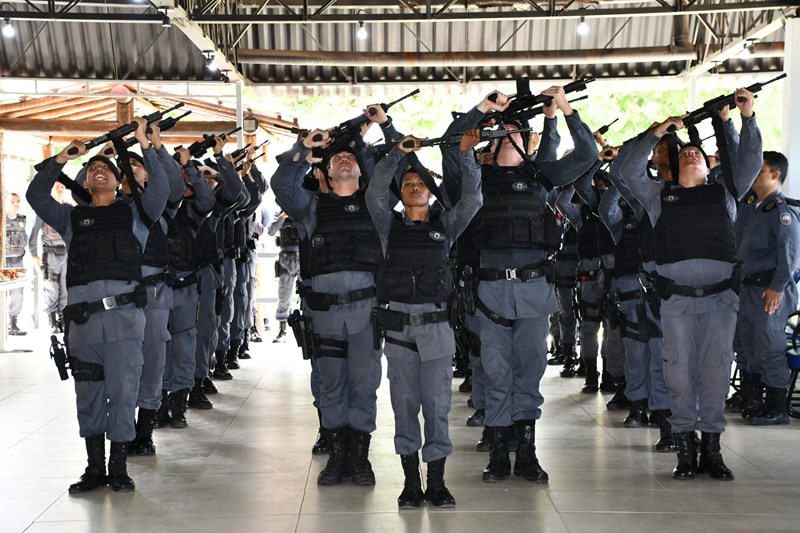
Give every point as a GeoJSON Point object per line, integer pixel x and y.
{"type": "Point", "coordinates": [786, 219]}
{"type": "Point", "coordinates": [769, 207]}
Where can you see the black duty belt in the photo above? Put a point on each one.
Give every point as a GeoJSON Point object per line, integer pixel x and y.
{"type": "Point", "coordinates": [395, 320]}
{"type": "Point", "coordinates": [320, 301]}
{"type": "Point", "coordinates": [57, 250]}
{"type": "Point", "coordinates": [180, 283]}
{"type": "Point", "coordinates": [587, 275]}
{"type": "Point", "coordinates": [80, 312]}
{"type": "Point", "coordinates": [167, 276]}
{"type": "Point", "coordinates": [526, 273]}
{"type": "Point", "coordinates": [629, 295]}
{"type": "Point", "coordinates": [666, 287]}
{"type": "Point", "coordinates": [759, 279]}
{"type": "Point", "coordinates": [494, 317]}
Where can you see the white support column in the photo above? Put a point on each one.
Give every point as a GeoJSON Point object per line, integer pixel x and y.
{"type": "Point", "coordinates": [791, 101]}
{"type": "Point", "coordinates": [239, 114]}
{"type": "Point", "coordinates": [693, 91]}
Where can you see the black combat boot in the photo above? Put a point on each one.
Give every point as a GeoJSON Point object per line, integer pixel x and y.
{"type": "Point", "coordinates": [208, 386]}
{"type": "Point", "coordinates": [556, 352]}
{"type": "Point", "coordinates": [13, 329]}
{"type": "Point", "coordinates": [281, 332]}
{"type": "Point", "coordinates": [337, 466]}
{"type": "Point", "coordinates": [466, 385]}
{"type": "Point", "coordinates": [320, 447]}
{"type": "Point", "coordinates": [360, 467]}
{"type": "Point", "coordinates": [232, 356]}
{"type": "Point", "coordinates": [436, 492]}
{"type": "Point", "coordinates": [485, 444]}
{"type": "Point", "coordinates": [774, 412]}
{"type": "Point", "coordinates": [221, 369]}
{"type": "Point", "coordinates": [143, 443]}
{"type": "Point", "coordinates": [197, 396]}
{"type": "Point", "coordinates": [499, 462]}
{"type": "Point", "coordinates": [526, 464]}
{"type": "Point", "coordinates": [412, 494]}
{"type": "Point", "coordinates": [752, 396]}
{"type": "Point", "coordinates": [711, 462]}
{"type": "Point", "coordinates": [607, 381]}
{"type": "Point", "coordinates": [162, 418]}
{"type": "Point", "coordinates": [476, 420]}
{"type": "Point", "coordinates": [570, 360]}
{"type": "Point", "coordinates": [666, 440]}
{"type": "Point", "coordinates": [95, 474]}
{"type": "Point", "coordinates": [118, 476]}
{"type": "Point", "coordinates": [244, 349]}
{"type": "Point", "coordinates": [590, 364]}
{"type": "Point", "coordinates": [255, 336]}
{"type": "Point", "coordinates": [687, 457]}
{"type": "Point", "coordinates": [619, 401]}
{"type": "Point", "coordinates": [178, 400]}
{"type": "Point", "coordinates": [51, 316]}
{"type": "Point", "coordinates": [637, 415]}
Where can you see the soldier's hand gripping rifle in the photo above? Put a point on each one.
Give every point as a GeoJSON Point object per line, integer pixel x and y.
{"type": "Point", "coordinates": [524, 100]}
{"type": "Point", "coordinates": [240, 163]}
{"type": "Point", "coordinates": [165, 124]}
{"type": "Point", "coordinates": [198, 148]}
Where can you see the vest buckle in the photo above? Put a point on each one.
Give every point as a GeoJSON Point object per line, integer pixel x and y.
{"type": "Point", "coordinates": [511, 273]}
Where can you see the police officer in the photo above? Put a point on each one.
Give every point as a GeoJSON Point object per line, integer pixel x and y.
{"type": "Point", "coordinates": [287, 267]}
{"type": "Point", "coordinates": [104, 320]}
{"type": "Point", "coordinates": [344, 254]}
{"type": "Point", "coordinates": [416, 281]}
{"type": "Point", "coordinates": [16, 238]}
{"type": "Point", "coordinates": [768, 242]}
{"type": "Point", "coordinates": [53, 264]}
{"type": "Point", "coordinates": [693, 221]}
{"type": "Point", "coordinates": [514, 296]}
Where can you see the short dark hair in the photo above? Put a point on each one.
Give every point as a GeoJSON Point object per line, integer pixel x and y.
{"type": "Point", "coordinates": [777, 162]}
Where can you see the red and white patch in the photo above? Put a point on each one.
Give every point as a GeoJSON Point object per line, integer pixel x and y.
{"type": "Point", "coordinates": [786, 219]}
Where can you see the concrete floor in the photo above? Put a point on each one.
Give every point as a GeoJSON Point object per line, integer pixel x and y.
{"type": "Point", "coordinates": [246, 466]}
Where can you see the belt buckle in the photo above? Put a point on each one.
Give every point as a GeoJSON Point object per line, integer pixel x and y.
{"type": "Point", "coordinates": [533, 273]}
{"type": "Point", "coordinates": [343, 299]}
{"type": "Point", "coordinates": [416, 319]}
{"type": "Point", "coordinates": [109, 302]}
{"type": "Point", "coordinates": [511, 273]}
{"type": "Point", "coordinates": [699, 292]}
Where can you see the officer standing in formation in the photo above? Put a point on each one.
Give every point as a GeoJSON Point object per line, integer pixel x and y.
{"type": "Point", "coordinates": [52, 262]}
{"type": "Point", "coordinates": [415, 281]}
{"type": "Point", "coordinates": [767, 240]}
{"type": "Point", "coordinates": [16, 239]}
{"type": "Point", "coordinates": [287, 267]}
{"type": "Point", "coordinates": [105, 322]}
{"type": "Point", "coordinates": [695, 251]}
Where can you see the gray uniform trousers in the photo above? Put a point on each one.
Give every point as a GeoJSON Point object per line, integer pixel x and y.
{"type": "Point", "coordinates": [241, 302]}
{"type": "Point", "coordinates": [552, 325]}
{"type": "Point", "coordinates": [698, 352]}
{"type": "Point", "coordinates": [179, 373]}
{"type": "Point", "coordinates": [206, 329]}
{"type": "Point", "coordinates": [290, 261]}
{"type": "Point", "coordinates": [54, 287]}
{"type": "Point", "coordinates": [589, 292]}
{"type": "Point", "coordinates": [154, 347]}
{"type": "Point", "coordinates": [567, 321]}
{"type": "Point", "coordinates": [762, 339]}
{"type": "Point", "coordinates": [514, 360]}
{"type": "Point", "coordinates": [613, 349]}
{"type": "Point", "coordinates": [252, 280]}
{"type": "Point", "coordinates": [644, 361]}
{"type": "Point", "coordinates": [109, 406]}
{"type": "Point", "coordinates": [478, 380]}
{"type": "Point", "coordinates": [421, 378]}
{"type": "Point", "coordinates": [226, 316]}
{"type": "Point", "coordinates": [14, 298]}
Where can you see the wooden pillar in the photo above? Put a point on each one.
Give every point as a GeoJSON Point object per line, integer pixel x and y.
{"type": "Point", "coordinates": [124, 112]}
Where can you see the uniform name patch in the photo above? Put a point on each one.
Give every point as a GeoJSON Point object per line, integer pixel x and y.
{"type": "Point", "coordinates": [786, 219]}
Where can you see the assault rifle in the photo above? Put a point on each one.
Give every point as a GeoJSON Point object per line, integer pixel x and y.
{"type": "Point", "coordinates": [240, 163]}
{"type": "Point", "coordinates": [524, 100]}
{"type": "Point", "coordinates": [604, 129]}
{"type": "Point", "coordinates": [349, 127]}
{"type": "Point", "coordinates": [198, 148]}
{"type": "Point", "coordinates": [124, 130]}
{"type": "Point", "coordinates": [716, 104]}
{"type": "Point", "coordinates": [166, 124]}
{"type": "Point", "coordinates": [486, 135]}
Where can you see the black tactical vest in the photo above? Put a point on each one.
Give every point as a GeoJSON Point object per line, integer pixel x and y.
{"type": "Point", "coordinates": [240, 233]}
{"type": "Point", "coordinates": [513, 213]}
{"type": "Point", "coordinates": [588, 240]}
{"type": "Point", "coordinates": [156, 250]}
{"type": "Point", "coordinates": [694, 224]}
{"type": "Point", "coordinates": [209, 243]}
{"type": "Point", "coordinates": [181, 237]}
{"type": "Point", "coordinates": [288, 237]}
{"type": "Point", "coordinates": [16, 239]}
{"type": "Point", "coordinates": [627, 256]}
{"type": "Point", "coordinates": [417, 267]}
{"type": "Point", "coordinates": [345, 238]}
{"type": "Point", "coordinates": [226, 226]}
{"type": "Point", "coordinates": [103, 245]}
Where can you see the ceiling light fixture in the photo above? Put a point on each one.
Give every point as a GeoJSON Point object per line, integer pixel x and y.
{"type": "Point", "coordinates": [583, 28]}
{"type": "Point", "coordinates": [8, 29]}
{"type": "Point", "coordinates": [361, 33]}
{"type": "Point", "coordinates": [210, 64]}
